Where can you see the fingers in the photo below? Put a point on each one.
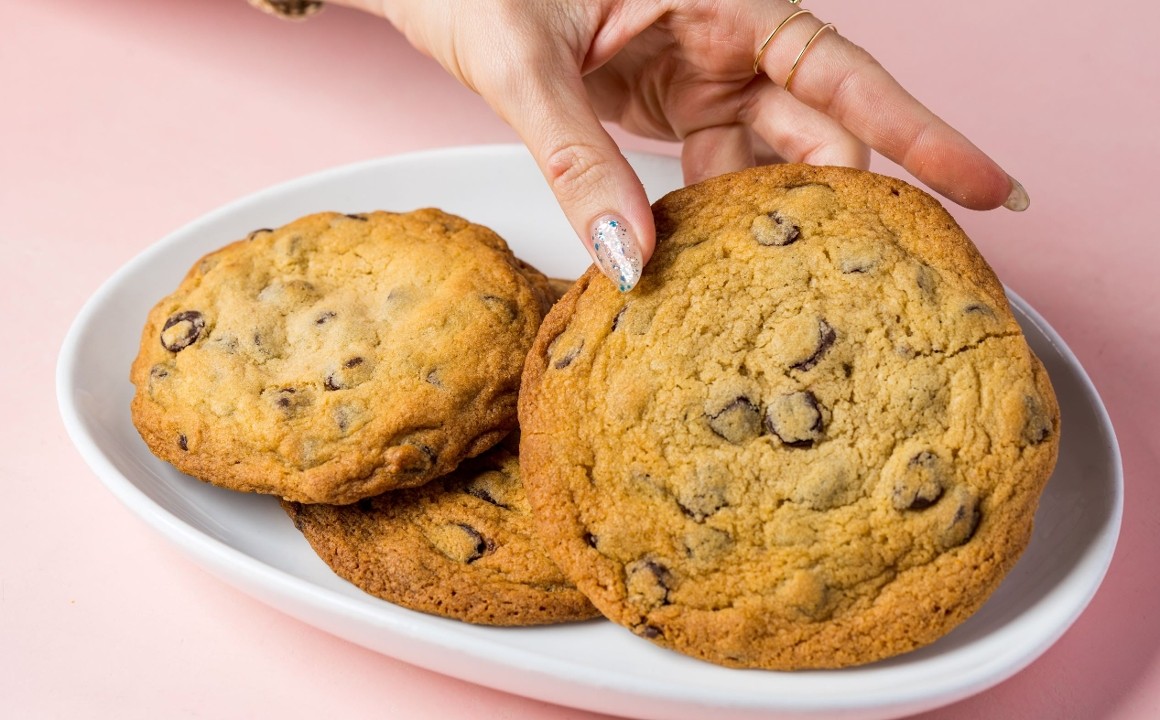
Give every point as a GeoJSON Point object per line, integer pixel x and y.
{"type": "Point", "coordinates": [844, 82]}
{"type": "Point", "coordinates": [597, 189]}
{"type": "Point", "coordinates": [797, 133]}
{"type": "Point", "coordinates": [715, 151]}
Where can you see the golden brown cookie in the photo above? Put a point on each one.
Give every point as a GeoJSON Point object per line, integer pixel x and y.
{"type": "Point", "coordinates": [461, 546]}
{"type": "Point", "coordinates": [339, 356]}
{"type": "Point", "coordinates": [813, 436]}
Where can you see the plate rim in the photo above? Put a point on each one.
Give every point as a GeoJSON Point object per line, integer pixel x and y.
{"type": "Point", "coordinates": [214, 554]}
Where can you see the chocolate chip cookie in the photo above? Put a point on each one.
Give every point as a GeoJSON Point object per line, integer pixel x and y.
{"type": "Point", "coordinates": [813, 436]}
{"type": "Point", "coordinates": [461, 546]}
{"type": "Point", "coordinates": [339, 356]}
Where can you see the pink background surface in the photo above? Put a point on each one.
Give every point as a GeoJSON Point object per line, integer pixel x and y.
{"type": "Point", "coordinates": [122, 120]}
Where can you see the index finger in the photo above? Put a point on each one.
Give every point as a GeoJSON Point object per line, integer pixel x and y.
{"type": "Point", "coordinates": [837, 77]}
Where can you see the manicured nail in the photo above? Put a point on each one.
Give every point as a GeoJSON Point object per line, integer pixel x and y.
{"type": "Point", "coordinates": [617, 254]}
{"type": "Point", "coordinates": [1018, 199]}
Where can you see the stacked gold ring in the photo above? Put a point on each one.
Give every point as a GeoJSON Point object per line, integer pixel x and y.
{"type": "Point", "coordinates": [797, 61]}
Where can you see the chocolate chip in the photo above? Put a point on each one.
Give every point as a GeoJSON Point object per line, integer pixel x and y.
{"type": "Point", "coordinates": [855, 266]}
{"type": "Point", "coordinates": [485, 496]}
{"type": "Point", "coordinates": [568, 357]}
{"type": "Point", "coordinates": [357, 216]}
{"type": "Point", "coordinates": [590, 539]}
{"type": "Point", "coordinates": [616, 318]}
{"type": "Point", "coordinates": [921, 482]}
{"type": "Point", "coordinates": [182, 330]}
{"type": "Point", "coordinates": [648, 583]}
{"type": "Point", "coordinates": [1038, 425]}
{"type": "Point", "coordinates": [183, 442]}
{"type": "Point", "coordinates": [343, 414]}
{"type": "Point", "coordinates": [352, 372]}
{"type": "Point", "coordinates": [894, 192]}
{"type": "Point", "coordinates": [325, 317]}
{"type": "Point", "coordinates": [257, 232]}
{"type": "Point", "coordinates": [738, 422]}
{"type": "Point", "coordinates": [963, 520]}
{"type": "Point", "coordinates": [775, 229]}
{"type": "Point", "coordinates": [158, 372]}
{"type": "Point", "coordinates": [796, 419]}
{"type": "Point", "coordinates": [502, 306]}
{"type": "Point", "coordinates": [460, 542]}
{"type": "Point", "coordinates": [927, 280]}
{"type": "Point", "coordinates": [481, 544]}
{"type": "Point", "coordinates": [826, 338]}
{"type": "Point", "coordinates": [432, 378]}
{"type": "Point", "coordinates": [288, 399]}
{"type": "Point", "coordinates": [650, 631]}
{"type": "Point", "coordinates": [706, 543]}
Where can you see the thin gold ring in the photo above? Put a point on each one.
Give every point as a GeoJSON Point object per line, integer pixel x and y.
{"type": "Point", "coordinates": [765, 45]}
{"type": "Point", "coordinates": [793, 68]}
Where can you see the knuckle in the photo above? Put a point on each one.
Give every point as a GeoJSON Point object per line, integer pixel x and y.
{"type": "Point", "coordinates": [573, 170]}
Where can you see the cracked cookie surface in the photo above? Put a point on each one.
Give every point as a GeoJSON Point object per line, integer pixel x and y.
{"type": "Point", "coordinates": [813, 436]}
{"type": "Point", "coordinates": [339, 356]}
{"type": "Point", "coordinates": [461, 546]}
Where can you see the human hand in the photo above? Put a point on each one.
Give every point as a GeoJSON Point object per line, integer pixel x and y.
{"type": "Point", "coordinates": [683, 70]}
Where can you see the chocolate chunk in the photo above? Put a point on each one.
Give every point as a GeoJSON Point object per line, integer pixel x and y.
{"type": "Point", "coordinates": [738, 422]}
{"type": "Point", "coordinates": [485, 496]}
{"type": "Point", "coordinates": [257, 232]}
{"type": "Point", "coordinates": [432, 377]}
{"type": "Point", "coordinates": [568, 357]}
{"type": "Point", "coordinates": [650, 632]}
{"type": "Point", "coordinates": [590, 539]}
{"type": "Point", "coordinates": [183, 442]}
{"type": "Point", "coordinates": [796, 419]}
{"type": "Point", "coordinates": [325, 317]}
{"type": "Point", "coordinates": [648, 583]}
{"type": "Point", "coordinates": [288, 399]}
{"type": "Point", "coordinates": [357, 216]}
{"type": "Point", "coordinates": [182, 330]}
{"type": "Point", "coordinates": [343, 416]}
{"type": "Point", "coordinates": [921, 482]}
{"type": "Point", "coordinates": [460, 542]}
{"type": "Point", "coordinates": [826, 338]}
{"type": "Point", "coordinates": [158, 372]}
{"type": "Point", "coordinates": [503, 307]}
{"type": "Point", "coordinates": [927, 281]}
{"type": "Point", "coordinates": [963, 520]}
{"type": "Point", "coordinates": [352, 372]}
{"type": "Point", "coordinates": [616, 318]}
{"type": "Point", "coordinates": [775, 229]}
{"type": "Point", "coordinates": [1038, 425]}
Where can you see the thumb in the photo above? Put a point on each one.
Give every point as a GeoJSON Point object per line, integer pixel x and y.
{"type": "Point", "coordinates": [597, 189]}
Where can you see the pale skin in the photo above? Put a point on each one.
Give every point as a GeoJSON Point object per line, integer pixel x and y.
{"type": "Point", "coordinates": [683, 70]}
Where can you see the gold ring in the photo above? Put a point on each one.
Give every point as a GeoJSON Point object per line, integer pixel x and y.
{"type": "Point", "coordinates": [793, 68]}
{"type": "Point", "coordinates": [765, 45]}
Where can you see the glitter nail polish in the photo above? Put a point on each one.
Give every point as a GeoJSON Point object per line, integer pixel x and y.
{"type": "Point", "coordinates": [617, 254]}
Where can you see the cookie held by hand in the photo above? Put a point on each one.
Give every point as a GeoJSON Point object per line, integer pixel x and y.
{"type": "Point", "coordinates": [813, 436]}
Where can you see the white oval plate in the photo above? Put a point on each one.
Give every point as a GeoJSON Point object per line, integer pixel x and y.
{"type": "Point", "coordinates": [247, 540]}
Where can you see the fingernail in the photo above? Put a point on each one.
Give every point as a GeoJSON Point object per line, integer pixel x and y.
{"type": "Point", "coordinates": [617, 254]}
{"type": "Point", "coordinates": [1018, 199]}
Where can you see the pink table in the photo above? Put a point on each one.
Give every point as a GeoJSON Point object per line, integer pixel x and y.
{"type": "Point", "coordinates": [121, 120]}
